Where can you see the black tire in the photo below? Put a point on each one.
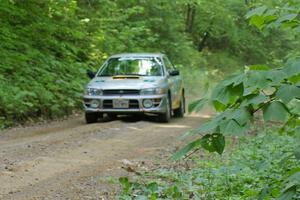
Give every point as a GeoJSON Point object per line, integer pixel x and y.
{"type": "Point", "coordinates": [179, 112]}
{"type": "Point", "coordinates": [91, 117]}
{"type": "Point", "coordinates": [166, 116]}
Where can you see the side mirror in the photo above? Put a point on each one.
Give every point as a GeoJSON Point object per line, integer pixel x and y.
{"type": "Point", "coordinates": [174, 72]}
{"type": "Point", "coordinates": [90, 74]}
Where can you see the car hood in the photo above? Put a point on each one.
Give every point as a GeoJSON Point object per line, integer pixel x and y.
{"type": "Point", "coordinates": [123, 82]}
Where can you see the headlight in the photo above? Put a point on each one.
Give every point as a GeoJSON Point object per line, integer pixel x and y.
{"type": "Point", "coordinates": [147, 103]}
{"type": "Point", "coordinates": [95, 103]}
{"type": "Point", "coordinates": [93, 92]}
{"type": "Point", "coordinates": [152, 91]}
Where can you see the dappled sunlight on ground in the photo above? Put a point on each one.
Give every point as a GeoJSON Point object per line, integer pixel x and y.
{"type": "Point", "coordinates": [172, 126]}
{"type": "Point", "coordinates": [200, 115]}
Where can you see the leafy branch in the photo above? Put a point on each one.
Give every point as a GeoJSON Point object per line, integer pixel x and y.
{"type": "Point", "coordinates": [239, 97]}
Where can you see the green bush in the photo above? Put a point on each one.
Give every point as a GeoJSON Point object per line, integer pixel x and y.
{"type": "Point", "coordinates": [257, 168]}
{"type": "Point", "coordinates": [42, 69]}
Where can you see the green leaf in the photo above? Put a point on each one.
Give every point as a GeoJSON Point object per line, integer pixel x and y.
{"type": "Point", "coordinates": [234, 93]}
{"type": "Point", "coordinates": [254, 100]}
{"type": "Point", "coordinates": [288, 194]}
{"type": "Point", "coordinates": [228, 91]}
{"type": "Point", "coordinates": [242, 116]}
{"type": "Point", "coordinates": [218, 106]}
{"type": "Point", "coordinates": [290, 24]}
{"type": "Point", "coordinates": [231, 127]}
{"type": "Point", "coordinates": [187, 133]}
{"type": "Point", "coordinates": [259, 67]}
{"type": "Point", "coordinates": [276, 76]}
{"type": "Point", "coordinates": [249, 90]}
{"type": "Point", "coordinates": [256, 11]}
{"type": "Point", "coordinates": [197, 105]}
{"type": "Point", "coordinates": [295, 79]}
{"type": "Point", "coordinates": [275, 111]}
{"type": "Point", "coordinates": [238, 79]}
{"type": "Point", "coordinates": [288, 92]}
{"type": "Point", "coordinates": [220, 94]}
{"type": "Point", "coordinates": [284, 18]}
{"type": "Point", "coordinates": [182, 152]}
{"type": "Point", "coordinates": [213, 142]}
{"type": "Point", "coordinates": [295, 177]}
{"type": "Point", "coordinates": [233, 80]}
{"type": "Point", "coordinates": [258, 21]}
{"type": "Point", "coordinates": [257, 79]}
{"type": "Point", "coordinates": [292, 68]}
{"type": "Point", "coordinates": [269, 18]}
{"type": "Point", "coordinates": [208, 126]}
{"type": "Point", "coordinates": [294, 106]}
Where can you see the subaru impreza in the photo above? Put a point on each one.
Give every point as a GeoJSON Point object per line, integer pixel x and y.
{"type": "Point", "coordinates": [135, 83]}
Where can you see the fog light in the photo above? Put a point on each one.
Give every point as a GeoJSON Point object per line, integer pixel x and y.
{"type": "Point", "coordinates": [147, 103]}
{"type": "Point", "coordinates": [94, 104]}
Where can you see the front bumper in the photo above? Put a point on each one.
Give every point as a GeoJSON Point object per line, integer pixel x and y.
{"type": "Point", "coordinates": [135, 104]}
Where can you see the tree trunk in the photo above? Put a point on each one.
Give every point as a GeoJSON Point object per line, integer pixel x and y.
{"type": "Point", "coordinates": [202, 42]}
{"type": "Point", "coordinates": [190, 16]}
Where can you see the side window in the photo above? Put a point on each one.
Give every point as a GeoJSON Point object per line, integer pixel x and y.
{"type": "Point", "coordinates": [168, 64]}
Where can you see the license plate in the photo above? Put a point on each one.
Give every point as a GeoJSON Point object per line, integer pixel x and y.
{"type": "Point", "coordinates": [120, 103]}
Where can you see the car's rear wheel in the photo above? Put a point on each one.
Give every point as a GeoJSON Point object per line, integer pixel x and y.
{"type": "Point", "coordinates": [91, 117]}
{"type": "Point", "coordinates": [179, 112]}
{"type": "Point", "coordinates": [166, 116]}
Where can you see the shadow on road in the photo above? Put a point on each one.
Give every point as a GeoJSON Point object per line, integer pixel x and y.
{"type": "Point", "coordinates": [131, 118]}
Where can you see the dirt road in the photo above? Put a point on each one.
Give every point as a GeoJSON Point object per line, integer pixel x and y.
{"type": "Point", "coordinates": [67, 160]}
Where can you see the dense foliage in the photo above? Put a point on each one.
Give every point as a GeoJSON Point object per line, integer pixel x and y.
{"type": "Point", "coordinates": [254, 169]}
{"type": "Point", "coordinates": [46, 46]}
{"type": "Point", "coordinates": [274, 92]}
{"type": "Point", "coordinates": [42, 58]}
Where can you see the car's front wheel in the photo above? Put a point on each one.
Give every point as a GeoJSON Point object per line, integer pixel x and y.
{"type": "Point", "coordinates": [91, 117]}
{"type": "Point", "coordinates": [166, 116]}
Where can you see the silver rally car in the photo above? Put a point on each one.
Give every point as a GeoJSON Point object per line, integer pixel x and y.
{"type": "Point", "coordinates": [135, 83]}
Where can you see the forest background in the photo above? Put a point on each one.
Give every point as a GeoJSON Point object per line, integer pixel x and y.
{"type": "Point", "coordinates": [47, 46]}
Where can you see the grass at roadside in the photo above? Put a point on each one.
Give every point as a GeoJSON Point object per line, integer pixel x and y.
{"type": "Point", "coordinates": [257, 166]}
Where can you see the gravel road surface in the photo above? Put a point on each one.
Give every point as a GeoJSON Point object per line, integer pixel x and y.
{"type": "Point", "coordinates": [67, 159]}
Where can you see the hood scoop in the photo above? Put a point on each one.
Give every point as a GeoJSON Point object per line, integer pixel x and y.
{"type": "Point", "coordinates": [125, 77]}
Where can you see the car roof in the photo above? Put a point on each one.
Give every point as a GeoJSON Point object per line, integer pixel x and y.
{"type": "Point", "coordinates": [137, 55]}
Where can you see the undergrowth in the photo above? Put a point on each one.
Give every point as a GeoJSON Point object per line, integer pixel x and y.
{"type": "Point", "coordinates": [257, 168]}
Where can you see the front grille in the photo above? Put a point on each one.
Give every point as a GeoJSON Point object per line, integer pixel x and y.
{"type": "Point", "coordinates": [108, 104]}
{"type": "Point", "coordinates": [121, 92]}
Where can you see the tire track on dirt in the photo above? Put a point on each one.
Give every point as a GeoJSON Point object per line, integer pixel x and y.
{"type": "Point", "coordinates": [71, 156]}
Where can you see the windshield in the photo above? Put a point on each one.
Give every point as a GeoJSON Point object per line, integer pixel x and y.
{"type": "Point", "coordinates": [148, 66]}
